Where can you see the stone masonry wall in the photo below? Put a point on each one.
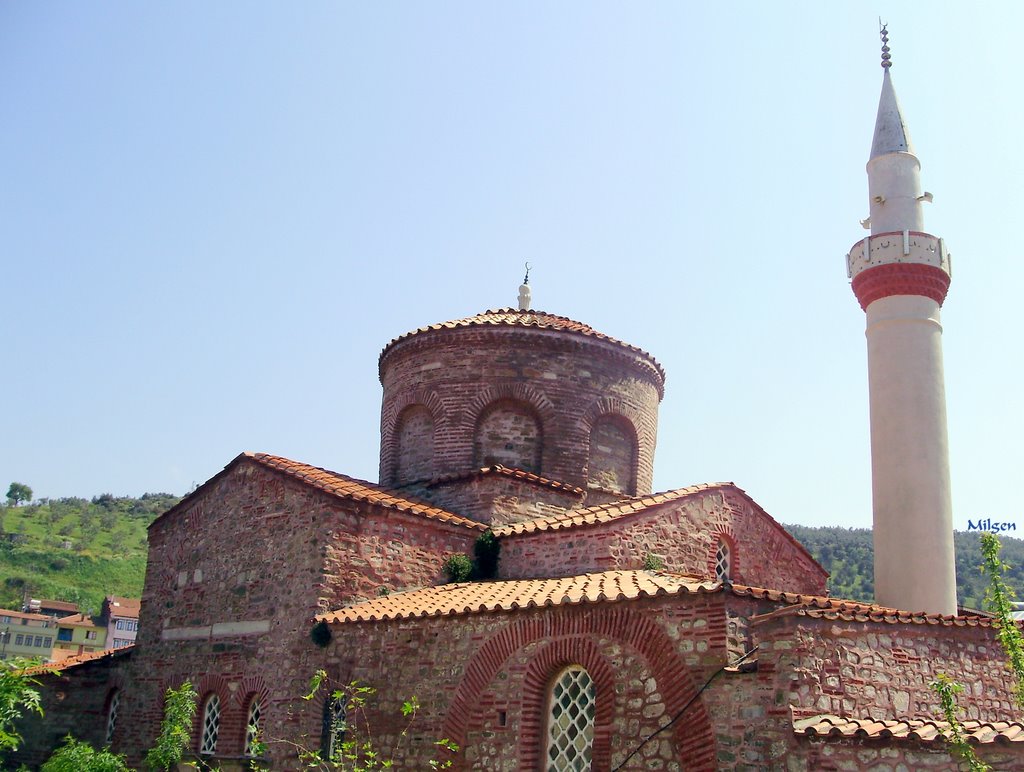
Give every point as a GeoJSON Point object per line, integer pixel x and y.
{"type": "Point", "coordinates": [567, 380]}
{"type": "Point", "coordinates": [612, 457]}
{"type": "Point", "coordinates": [883, 671]}
{"type": "Point", "coordinates": [684, 534]}
{"type": "Point", "coordinates": [415, 438]}
{"type": "Point", "coordinates": [234, 577]}
{"type": "Point", "coordinates": [497, 499]}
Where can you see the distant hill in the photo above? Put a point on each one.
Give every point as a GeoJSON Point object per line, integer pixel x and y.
{"type": "Point", "coordinates": [848, 555]}
{"type": "Point", "coordinates": [76, 549]}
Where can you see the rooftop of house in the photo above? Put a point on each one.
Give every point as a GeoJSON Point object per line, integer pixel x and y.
{"type": "Point", "coordinates": [122, 607]}
{"type": "Point", "coordinates": [611, 587]}
{"type": "Point", "coordinates": [25, 615]}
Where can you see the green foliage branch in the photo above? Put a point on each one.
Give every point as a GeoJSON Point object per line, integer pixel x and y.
{"type": "Point", "coordinates": [999, 601]}
{"type": "Point", "coordinates": [18, 695]}
{"type": "Point", "coordinates": [948, 691]}
{"type": "Point", "coordinates": [175, 731]}
{"type": "Point", "coordinates": [484, 565]}
{"type": "Point", "coordinates": [77, 756]}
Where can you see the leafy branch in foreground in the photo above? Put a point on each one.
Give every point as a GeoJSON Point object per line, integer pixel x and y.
{"type": "Point", "coordinates": [176, 728]}
{"type": "Point", "coordinates": [948, 690]}
{"type": "Point", "coordinates": [999, 601]}
{"type": "Point", "coordinates": [350, 746]}
{"type": "Point", "coordinates": [18, 695]}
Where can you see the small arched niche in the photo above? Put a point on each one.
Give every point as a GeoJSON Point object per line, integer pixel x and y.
{"type": "Point", "coordinates": [508, 433]}
{"type": "Point", "coordinates": [612, 462]}
{"type": "Point", "coordinates": [414, 445]}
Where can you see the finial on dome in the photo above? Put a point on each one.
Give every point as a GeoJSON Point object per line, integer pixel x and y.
{"type": "Point", "coordinates": [524, 291]}
{"type": "Point", "coordinates": [883, 32]}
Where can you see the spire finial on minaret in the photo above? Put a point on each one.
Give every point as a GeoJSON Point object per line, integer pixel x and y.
{"type": "Point", "coordinates": [524, 291]}
{"type": "Point", "coordinates": [883, 32]}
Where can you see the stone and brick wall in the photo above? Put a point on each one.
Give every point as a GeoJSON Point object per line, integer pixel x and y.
{"type": "Point", "coordinates": [684, 534]}
{"type": "Point", "coordinates": [480, 386]}
{"type": "Point", "coordinates": [234, 577]}
{"type": "Point", "coordinates": [497, 499]}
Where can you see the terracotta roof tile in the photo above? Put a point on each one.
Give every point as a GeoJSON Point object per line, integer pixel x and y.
{"type": "Point", "coordinates": [854, 611]}
{"type": "Point", "coordinates": [78, 659]}
{"type": "Point", "coordinates": [498, 469]}
{"type": "Point", "coordinates": [477, 597]}
{"type": "Point", "coordinates": [343, 487]}
{"type": "Point", "coordinates": [513, 317]}
{"type": "Point", "coordinates": [977, 732]}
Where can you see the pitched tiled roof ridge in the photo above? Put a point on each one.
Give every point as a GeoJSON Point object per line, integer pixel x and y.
{"type": "Point", "coordinates": [78, 659]}
{"type": "Point", "coordinates": [347, 487]}
{"type": "Point", "coordinates": [507, 471]}
{"type": "Point", "coordinates": [822, 607]}
{"type": "Point", "coordinates": [603, 513]}
{"type": "Point", "coordinates": [336, 484]}
{"type": "Point", "coordinates": [607, 587]}
{"type": "Point", "coordinates": [513, 594]}
{"type": "Point", "coordinates": [925, 730]}
{"type": "Point", "coordinates": [514, 317]}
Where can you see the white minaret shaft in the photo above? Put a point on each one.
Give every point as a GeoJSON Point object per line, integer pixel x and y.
{"type": "Point", "coordinates": [900, 276]}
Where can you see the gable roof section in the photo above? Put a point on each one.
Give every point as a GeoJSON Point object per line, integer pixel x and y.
{"type": "Point", "coordinates": [513, 317]}
{"type": "Point", "coordinates": [338, 485]}
{"type": "Point", "coordinates": [78, 659]}
{"type": "Point", "coordinates": [976, 732]}
{"type": "Point", "coordinates": [607, 513]}
{"type": "Point", "coordinates": [611, 587]}
{"type": "Point", "coordinates": [505, 471]}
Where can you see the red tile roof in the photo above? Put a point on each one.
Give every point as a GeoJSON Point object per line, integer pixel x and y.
{"type": "Point", "coordinates": [123, 607]}
{"type": "Point", "coordinates": [498, 469]}
{"type": "Point", "coordinates": [341, 486]}
{"type": "Point", "coordinates": [610, 587]}
{"type": "Point", "coordinates": [24, 615]}
{"type": "Point", "coordinates": [78, 659]}
{"type": "Point", "coordinates": [977, 732]}
{"type": "Point", "coordinates": [513, 317]}
{"type": "Point", "coordinates": [477, 597]}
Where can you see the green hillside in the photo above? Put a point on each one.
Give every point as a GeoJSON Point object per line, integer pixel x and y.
{"type": "Point", "coordinates": [847, 554]}
{"type": "Point", "coordinates": [75, 549]}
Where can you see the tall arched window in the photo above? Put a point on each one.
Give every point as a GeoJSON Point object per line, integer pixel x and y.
{"type": "Point", "coordinates": [211, 724]}
{"type": "Point", "coordinates": [333, 733]}
{"type": "Point", "coordinates": [570, 732]}
{"type": "Point", "coordinates": [253, 727]}
{"type": "Point", "coordinates": [612, 462]}
{"type": "Point", "coordinates": [113, 706]}
{"type": "Point", "coordinates": [723, 561]}
{"type": "Point", "coordinates": [414, 445]}
{"type": "Point", "coordinates": [508, 433]}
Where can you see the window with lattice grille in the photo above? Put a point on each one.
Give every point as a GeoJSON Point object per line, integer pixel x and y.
{"type": "Point", "coordinates": [571, 721]}
{"type": "Point", "coordinates": [253, 726]}
{"type": "Point", "coordinates": [723, 562]}
{"type": "Point", "coordinates": [112, 709]}
{"type": "Point", "coordinates": [335, 710]}
{"type": "Point", "coordinates": [211, 724]}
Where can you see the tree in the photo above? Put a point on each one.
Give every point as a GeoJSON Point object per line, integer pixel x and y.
{"type": "Point", "coordinates": [18, 694]}
{"type": "Point", "coordinates": [18, 492]}
{"type": "Point", "coordinates": [179, 710]}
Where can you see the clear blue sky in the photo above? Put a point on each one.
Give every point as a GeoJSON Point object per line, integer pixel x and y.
{"type": "Point", "coordinates": [214, 215]}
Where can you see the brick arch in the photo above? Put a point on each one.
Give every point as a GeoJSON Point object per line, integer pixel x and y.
{"type": "Point", "coordinates": [213, 683]}
{"type": "Point", "coordinates": [544, 666]}
{"type": "Point", "coordinates": [628, 429]}
{"type": "Point", "coordinates": [252, 686]}
{"type": "Point", "coordinates": [429, 399]}
{"type": "Point", "coordinates": [617, 407]}
{"type": "Point", "coordinates": [726, 534]}
{"type": "Point", "coordinates": [694, 737]}
{"type": "Point", "coordinates": [527, 453]}
{"type": "Point", "coordinates": [208, 685]}
{"type": "Point", "coordinates": [515, 392]}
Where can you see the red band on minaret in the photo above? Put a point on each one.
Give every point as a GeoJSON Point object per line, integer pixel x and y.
{"type": "Point", "coordinates": [883, 281]}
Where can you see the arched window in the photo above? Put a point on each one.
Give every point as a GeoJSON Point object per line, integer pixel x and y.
{"type": "Point", "coordinates": [508, 433]}
{"type": "Point", "coordinates": [253, 727]}
{"type": "Point", "coordinates": [113, 706]}
{"type": "Point", "coordinates": [612, 462]}
{"type": "Point", "coordinates": [333, 733]}
{"type": "Point", "coordinates": [570, 732]}
{"type": "Point", "coordinates": [211, 724]}
{"type": "Point", "coordinates": [414, 445]}
{"type": "Point", "coordinates": [723, 561]}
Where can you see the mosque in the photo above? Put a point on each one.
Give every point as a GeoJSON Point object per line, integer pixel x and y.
{"type": "Point", "coordinates": [618, 628]}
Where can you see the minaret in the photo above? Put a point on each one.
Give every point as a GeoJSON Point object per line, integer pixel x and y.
{"type": "Point", "coordinates": [900, 276]}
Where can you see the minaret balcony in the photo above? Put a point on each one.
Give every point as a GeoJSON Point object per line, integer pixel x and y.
{"type": "Point", "coordinates": [897, 247]}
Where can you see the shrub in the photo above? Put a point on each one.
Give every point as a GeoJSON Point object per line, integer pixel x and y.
{"type": "Point", "coordinates": [458, 568]}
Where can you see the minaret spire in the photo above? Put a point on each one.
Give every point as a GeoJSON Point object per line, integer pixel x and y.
{"type": "Point", "coordinates": [900, 276]}
{"type": "Point", "coordinates": [524, 291]}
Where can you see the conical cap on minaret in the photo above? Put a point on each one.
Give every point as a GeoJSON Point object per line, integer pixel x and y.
{"type": "Point", "coordinates": [891, 134]}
